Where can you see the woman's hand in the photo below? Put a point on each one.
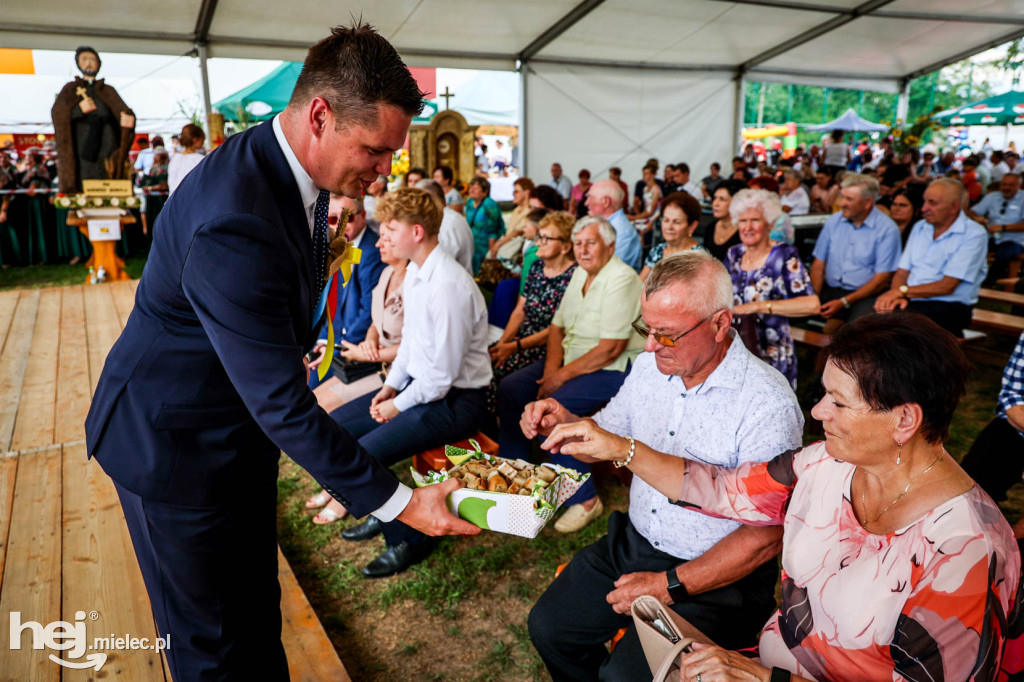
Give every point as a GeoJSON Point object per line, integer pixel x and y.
{"type": "Point", "coordinates": [500, 352]}
{"type": "Point", "coordinates": [370, 350]}
{"type": "Point", "coordinates": [586, 438]}
{"type": "Point", "coordinates": [354, 353]}
{"type": "Point", "coordinates": [715, 664]}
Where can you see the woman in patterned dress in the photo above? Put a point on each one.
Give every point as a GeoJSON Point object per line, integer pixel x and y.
{"type": "Point", "coordinates": [768, 279]}
{"type": "Point", "coordinates": [526, 335]}
{"type": "Point", "coordinates": [896, 565]}
{"type": "Point", "coordinates": [680, 216]}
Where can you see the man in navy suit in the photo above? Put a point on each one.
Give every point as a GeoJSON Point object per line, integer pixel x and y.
{"type": "Point", "coordinates": [207, 383]}
{"type": "Point", "coordinates": [351, 317]}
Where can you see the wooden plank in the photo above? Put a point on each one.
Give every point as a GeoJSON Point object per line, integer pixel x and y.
{"type": "Point", "coordinates": [311, 655]}
{"type": "Point", "coordinates": [102, 327]}
{"type": "Point", "coordinates": [73, 387]}
{"type": "Point", "coordinates": [124, 299]}
{"type": "Point", "coordinates": [13, 362]}
{"type": "Point", "coordinates": [31, 582]}
{"type": "Point", "coordinates": [8, 304]}
{"type": "Point", "coordinates": [997, 322]}
{"type": "Point", "coordinates": [33, 427]}
{"type": "Point", "coordinates": [8, 472]}
{"type": "Point", "coordinates": [100, 572]}
{"type": "Point", "coordinates": [809, 337]}
{"type": "Point", "coordinates": [1001, 296]}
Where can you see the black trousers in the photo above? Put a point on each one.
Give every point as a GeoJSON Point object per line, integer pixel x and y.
{"type": "Point", "coordinates": [571, 621]}
{"type": "Point", "coordinates": [996, 459]}
{"type": "Point", "coordinates": [211, 575]}
{"type": "Point", "coordinates": [953, 317]}
{"type": "Point", "coordinates": [864, 306]}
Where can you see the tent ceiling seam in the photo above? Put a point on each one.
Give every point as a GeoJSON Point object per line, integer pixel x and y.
{"type": "Point", "coordinates": [558, 28]}
{"type": "Point", "coordinates": [204, 20]}
{"type": "Point", "coordinates": [404, 21]}
{"type": "Point", "coordinates": [832, 24]}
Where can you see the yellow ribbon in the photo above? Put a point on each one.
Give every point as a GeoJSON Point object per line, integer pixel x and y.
{"type": "Point", "coordinates": [342, 255]}
{"type": "Point", "coordinates": [325, 364]}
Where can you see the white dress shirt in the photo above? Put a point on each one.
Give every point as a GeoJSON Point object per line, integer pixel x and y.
{"type": "Point", "coordinates": [444, 333]}
{"type": "Point", "coordinates": [309, 192]}
{"type": "Point", "coordinates": [744, 411]}
{"type": "Point", "coordinates": [457, 238]}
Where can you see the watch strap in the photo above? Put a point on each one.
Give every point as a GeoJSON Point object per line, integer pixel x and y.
{"type": "Point", "coordinates": [780, 675]}
{"type": "Point", "coordinates": [676, 589]}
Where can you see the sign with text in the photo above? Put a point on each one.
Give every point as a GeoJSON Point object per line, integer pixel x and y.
{"type": "Point", "coordinates": [107, 188]}
{"type": "Point", "coordinates": [106, 230]}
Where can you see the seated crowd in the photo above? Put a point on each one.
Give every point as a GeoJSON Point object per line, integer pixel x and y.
{"type": "Point", "coordinates": [629, 339]}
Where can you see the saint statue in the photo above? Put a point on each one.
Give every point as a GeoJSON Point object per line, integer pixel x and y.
{"type": "Point", "coordinates": [93, 127]}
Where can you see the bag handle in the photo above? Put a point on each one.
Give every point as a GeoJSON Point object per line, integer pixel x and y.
{"type": "Point", "coordinates": [666, 664]}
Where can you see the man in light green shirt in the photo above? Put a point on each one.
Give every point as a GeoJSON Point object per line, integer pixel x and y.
{"type": "Point", "coordinates": [591, 346]}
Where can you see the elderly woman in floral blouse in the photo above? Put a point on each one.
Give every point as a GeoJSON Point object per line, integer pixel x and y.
{"type": "Point", "coordinates": [769, 281]}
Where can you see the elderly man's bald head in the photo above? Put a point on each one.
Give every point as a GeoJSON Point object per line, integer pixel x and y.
{"type": "Point", "coordinates": [605, 198]}
{"type": "Point", "coordinates": [943, 201]}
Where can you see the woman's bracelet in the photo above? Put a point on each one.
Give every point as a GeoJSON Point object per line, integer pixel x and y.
{"type": "Point", "coordinates": [768, 304]}
{"type": "Point", "coordinates": [519, 344]}
{"type": "Point", "coordinates": [629, 458]}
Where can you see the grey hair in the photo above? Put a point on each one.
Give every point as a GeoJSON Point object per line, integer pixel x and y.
{"type": "Point", "coordinates": [433, 187]}
{"type": "Point", "coordinates": [703, 274]}
{"type": "Point", "coordinates": [604, 228]}
{"type": "Point", "coordinates": [952, 183]}
{"type": "Point", "coordinates": [868, 185]}
{"type": "Point", "coordinates": [760, 199]}
{"type": "Point", "coordinates": [790, 173]}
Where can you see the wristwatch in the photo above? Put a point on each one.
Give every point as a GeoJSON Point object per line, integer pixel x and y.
{"type": "Point", "coordinates": [676, 589]}
{"type": "Point", "coordinates": [904, 289]}
{"type": "Point", "coordinates": [780, 675]}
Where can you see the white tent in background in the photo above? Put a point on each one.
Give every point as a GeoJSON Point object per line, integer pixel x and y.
{"type": "Point", "coordinates": [603, 82]}
{"type": "Point", "coordinates": [850, 122]}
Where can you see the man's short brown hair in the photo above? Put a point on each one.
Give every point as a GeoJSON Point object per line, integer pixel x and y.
{"type": "Point", "coordinates": [355, 69]}
{"type": "Point", "coordinates": [411, 205]}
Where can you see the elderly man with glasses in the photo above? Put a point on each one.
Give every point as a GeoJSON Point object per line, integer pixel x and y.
{"type": "Point", "coordinates": [698, 392]}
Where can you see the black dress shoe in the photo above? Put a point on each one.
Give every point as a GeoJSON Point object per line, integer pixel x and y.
{"type": "Point", "coordinates": [369, 528]}
{"type": "Point", "coordinates": [398, 558]}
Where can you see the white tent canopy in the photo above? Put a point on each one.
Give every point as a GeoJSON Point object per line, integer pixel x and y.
{"type": "Point", "coordinates": [643, 77]}
{"type": "Point", "coordinates": [850, 121]}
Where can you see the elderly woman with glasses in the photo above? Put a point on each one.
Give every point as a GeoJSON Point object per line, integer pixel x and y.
{"type": "Point", "coordinates": [526, 335]}
{"type": "Point", "coordinates": [770, 284]}
{"type": "Point", "coordinates": [896, 565]}
{"type": "Point", "coordinates": [590, 347]}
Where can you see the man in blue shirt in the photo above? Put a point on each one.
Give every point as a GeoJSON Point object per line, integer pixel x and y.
{"type": "Point", "coordinates": [605, 201]}
{"type": "Point", "coordinates": [351, 317]}
{"type": "Point", "coordinates": [996, 460]}
{"type": "Point", "coordinates": [1002, 214]}
{"type": "Point", "coordinates": [560, 182]}
{"type": "Point", "coordinates": [943, 264]}
{"type": "Point", "coordinates": [855, 255]}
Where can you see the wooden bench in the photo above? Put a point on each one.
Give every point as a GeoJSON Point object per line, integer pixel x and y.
{"type": "Point", "coordinates": [1007, 296]}
{"type": "Point", "coordinates": [1003, 323]}
{"type": "Point", "coordinates": [809, 337]}
{"type": "Point", "coordinates": [1007, 283]}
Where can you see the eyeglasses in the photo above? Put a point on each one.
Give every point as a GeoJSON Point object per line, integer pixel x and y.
{"type": "Point", "coordinates": [664, 339]}
{"type": "Point", "coordinates": [544, 239]}
{"type": "Point", "coordinates": [1003, 209]}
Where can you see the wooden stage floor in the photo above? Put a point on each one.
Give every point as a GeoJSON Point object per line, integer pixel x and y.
{"type": "Point", "coordinates": [64, 546]}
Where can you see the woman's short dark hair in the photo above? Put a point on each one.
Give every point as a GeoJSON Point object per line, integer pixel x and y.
{"type": "Point", "coordinates": [355, 69]}
{"type": "Point", "coordinates": [731, 186]}
{"type": "Point", "coordinates": [536, 215]}
{"type": "Point", "coordinates": [446, 173]}
{"type": "Point", "coordinates": [903, 358]}
{"type": "Point", "coordinates": [685, 202]}
{"type": "Point", "coordinates": [483, 183]}
{"type": "Point", "coordinates": [837, 135]}
{"type": "Point", "coordinates": [548, 196]}
{"type": "Point", "coordinates": [190, 133]}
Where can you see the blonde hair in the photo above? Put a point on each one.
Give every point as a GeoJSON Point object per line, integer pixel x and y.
{"type": "Point", "coordinates": [562, 221]}
{"type": "Point", "coordinates": [411, 205]}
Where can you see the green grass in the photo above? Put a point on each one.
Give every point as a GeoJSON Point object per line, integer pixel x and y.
{"type": "Point", "coordinates": [40, 276]}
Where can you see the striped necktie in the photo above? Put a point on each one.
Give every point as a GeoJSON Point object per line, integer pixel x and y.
{"type": "Point", "coordinates": [319, 249]}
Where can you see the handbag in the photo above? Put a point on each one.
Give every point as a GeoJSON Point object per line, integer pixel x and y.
{"type": "Point", "coordinates": [349, 371]}
{"type": "Point", "coordinates": [664, 635]}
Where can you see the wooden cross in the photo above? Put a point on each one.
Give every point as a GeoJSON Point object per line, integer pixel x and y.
{"type": "Point", "coordinates": [447, 95]}
{"type": "Point", "coordinates": [80, 91]}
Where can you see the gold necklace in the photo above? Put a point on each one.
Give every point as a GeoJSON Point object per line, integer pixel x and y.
{"type": "Point", "coordinates": [863, 495]}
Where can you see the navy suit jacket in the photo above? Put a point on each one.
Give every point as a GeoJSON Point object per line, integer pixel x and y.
{"type": "Point", "coordinates": [352, 318]}
{"type": "Point", "coordinates": [206, 383]}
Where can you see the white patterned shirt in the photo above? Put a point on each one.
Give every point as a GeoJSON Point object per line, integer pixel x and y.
{"type": "Point", "coordinates": [745, 411]}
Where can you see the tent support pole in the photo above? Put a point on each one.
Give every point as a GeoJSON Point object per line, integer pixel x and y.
{"type": "Point", "coordinates": [737, 126]}
{"type": "Point", "coordinates": [523, 69]}
{"type": "Point", "coordinates": [903, 101]}
{"type": "Point", "coordinates": [204, 77]}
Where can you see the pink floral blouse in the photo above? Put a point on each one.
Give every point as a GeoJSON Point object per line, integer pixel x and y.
{"type": "Point", "coordinates": [927, 602]}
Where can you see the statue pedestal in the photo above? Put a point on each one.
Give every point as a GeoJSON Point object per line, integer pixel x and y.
{"type": "Point", "coordinates": [103, 251]}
